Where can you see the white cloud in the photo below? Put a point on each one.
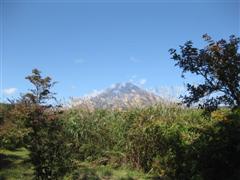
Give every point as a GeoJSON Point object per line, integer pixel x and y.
{"type": "Point", "coordinates": [94, 93]}
{"type": "Point", "coordinates": [142, 81]}
{"type": "Point", "coordinates": [9, 91]}
{"type": "Point", "coordinates": [79, 61]}
{"type": "Point", "coordinates": [137, 80]}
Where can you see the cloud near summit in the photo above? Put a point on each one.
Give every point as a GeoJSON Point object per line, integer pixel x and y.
{"type": "Point", "coordinates": [142, 81]}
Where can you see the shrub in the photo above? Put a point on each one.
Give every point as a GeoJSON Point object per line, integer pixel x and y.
{"type": "Point", "coordinates": [12, 129]}
{"type": "Point", "coordinates": [161, 142]}
{"type": "Point", "coordinates": [46, 140]}
{"type": "Point", "coordinates": [217, 151]}
{"type": "Point", "coordinates": [90, 133]}
{"type": "Point", "coordinates": [12, 136]}
{"type": "Point", "coordinates": [221, 114]}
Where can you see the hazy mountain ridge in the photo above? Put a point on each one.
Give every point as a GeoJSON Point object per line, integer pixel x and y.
{"type": "Point", "coordinates": [118, 96]}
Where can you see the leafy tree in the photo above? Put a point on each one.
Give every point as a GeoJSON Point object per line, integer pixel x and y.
{"type": "Point", "coordinates": [218, 64]}
{"type": "Point", "coordinates": [46, 140]}
{"type": "Point", "coordinates": [41, 93]}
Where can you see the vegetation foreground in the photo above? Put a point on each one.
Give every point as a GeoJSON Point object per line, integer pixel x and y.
{"type": "Point", "coordinates": [164, 141]}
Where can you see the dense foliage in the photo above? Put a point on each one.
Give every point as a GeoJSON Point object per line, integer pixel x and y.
{"type": "Point", "coordinates": [164, 140]}
{"type": "Point", "coordinates": [168, 141]}
{"type": "Point", "coordinates": [219, 65]}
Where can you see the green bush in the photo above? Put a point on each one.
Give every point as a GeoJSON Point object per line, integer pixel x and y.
{"type": "Point", "coordinates": [98, 134]}
{"type": "Point", "coordinates": [12, 129]}
{"type": "Point", "coordinates": [185, 144]}
{"type": "Point", "coordinates": [159, 142]}
{"type": "Point", "coordinates": [12, 136]}
{"type": "Point", "coordinates": [47, 143]}
{"type": "Point", "coordinates": [217, 151]}
{"type": "Point", "coordinates": [90, 133]}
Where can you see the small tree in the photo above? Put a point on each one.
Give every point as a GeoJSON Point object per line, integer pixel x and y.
{"type": "Point", "coordinates": [42, 86]}
{"type": "Point", "coordinates": [219, 66]}
{"type": "Point", "coordinates": [46, 144]}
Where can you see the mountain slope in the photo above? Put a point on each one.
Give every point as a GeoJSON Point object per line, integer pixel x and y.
{"type": "Point", "coordinates": [118, 96]}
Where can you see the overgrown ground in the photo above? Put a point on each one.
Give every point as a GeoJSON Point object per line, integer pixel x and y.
{"type": "Point", "coordinates": [14, 164]}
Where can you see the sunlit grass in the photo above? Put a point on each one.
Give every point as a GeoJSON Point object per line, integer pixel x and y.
{"type": "Point", "coordinates": [87, 170]}
{"type": "Point", "coordinates": [15, 164]}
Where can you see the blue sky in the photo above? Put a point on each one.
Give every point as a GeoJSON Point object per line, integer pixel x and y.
{"type": "Point", "coordinates": [87, 46]}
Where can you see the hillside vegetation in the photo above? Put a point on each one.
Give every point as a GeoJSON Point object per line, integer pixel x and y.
{"type": "Point", "coordinates": [163, 141]}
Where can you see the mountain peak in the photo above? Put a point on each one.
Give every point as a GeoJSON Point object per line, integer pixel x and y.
{"type": "Point", "coordinates": [127, 87]}
{"type": "Point", "coordinates": [119, 96]}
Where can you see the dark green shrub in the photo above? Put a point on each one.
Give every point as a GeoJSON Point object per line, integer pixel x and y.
{"type": "Point", "coordinates": [217, 150]}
